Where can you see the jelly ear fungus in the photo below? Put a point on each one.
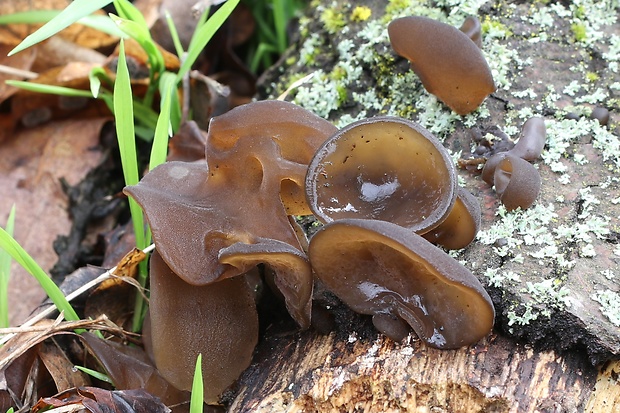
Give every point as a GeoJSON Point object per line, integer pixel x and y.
{"type": "Point", "coordinates": [387, 271]}
{"type": "Point", "coordinates": [448, 62]}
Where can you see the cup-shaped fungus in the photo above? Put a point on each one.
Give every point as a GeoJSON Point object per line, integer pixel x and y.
{"type": "Point", "coordinates": [218, 321]}
{"type": "Point", "coordinates": [449, 64]}
{"type": "Point", "coordinates": [462, 224]}
{"type": "Point", "coordinates": [383, 168]}
{"type": "Point", "coordinates": [382, 269]}
{"type": "Point", "coordinates": [517, 182]}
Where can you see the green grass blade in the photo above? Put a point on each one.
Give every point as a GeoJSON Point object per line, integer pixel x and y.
{"type": "Point", "coordinates": [203, 34]}
{"type": "Point", "coordinates": [125, 131]}
{"type": "Point", "coordinates": [163, 131]}
{"type": "Point", "coordinates": [141, 34]}
{"type": "Point", "coordinates": [174, 34]}
{"type": "Point", "coordinates": [55, 90]}
{"type": "Point", "coordinates": [72, 13]}
{"type": "Point", "coordinates": [5, 273]}
{"type": "Point", "coordinates": [130, 12]}
{"type": "Point", "coordinates": [96, 21]}
{"type": "Point", "coordinates": [95, 374]}
{"type": "Point", "coordinates": [8, 243]}
{"type": "Point", "coordinates": [279, 20]}
{"type": "Point", "coordinates": [197, 399]}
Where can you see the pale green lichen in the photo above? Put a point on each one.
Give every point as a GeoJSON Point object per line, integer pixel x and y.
{"type": "Point", "coordinates": [545, 297]}
{"type": "Point", "coordinates": [609, 305]}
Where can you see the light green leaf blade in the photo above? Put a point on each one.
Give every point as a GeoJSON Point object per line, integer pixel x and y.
{"type": "Point", "coordinates": [163, 131]}
{"type": "Point", "coordinates": [96, 21]}
{"type": "Point", "coordinates": [95, 374]}
{"type": "Point", "coordinates": [5, 273]}
{"type": "Point", "coordinates": [72, 13]}
{"type": "Point", "coordinates": [8, 243]}
{"type": "Point", "coordinates": [203, 34]}
{"type": "Point", "coordinates": [125, 131]}
{"type": "Point", "coordinates": [197, 399]}
{"type": "Point", "coordinates": [51, 89]}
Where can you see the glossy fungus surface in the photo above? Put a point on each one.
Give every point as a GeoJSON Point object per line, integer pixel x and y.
{"type": "Point", "coordinates": [449, 64]}
{"type": "Point", "coordinates": [218, 321]}
{"type": "Point", "coordinates": [517, 182]}
{"type": "Point", "coordinates": [382, 168]}
{"type": "Point", "coordinates": [379, 268]}
{"type": "Point", "coordinates": [461, 226]}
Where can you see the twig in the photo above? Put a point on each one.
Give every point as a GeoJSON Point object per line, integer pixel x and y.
{"type": "Point", "coordinates": [48, 311]}
{"type": "Point", "coordinates": [26, 74]}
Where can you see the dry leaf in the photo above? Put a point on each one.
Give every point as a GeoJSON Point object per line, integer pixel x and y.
{"type": "Point", "coordinates": [61, 369]}
{"type": "Point", "coordinates": [33, 161]}
{"type": "Point", "coordinates": [104, 401]}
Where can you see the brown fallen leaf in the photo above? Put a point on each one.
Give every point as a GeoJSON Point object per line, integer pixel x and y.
{"type": "Point", "coordinates": [98, 400]}
{"type": "Point", "coordinates": [77, 33]}
{"type": "Point", "coordinates": [60, 367]}
{"type": "Point", "coordinates": [33, 161]}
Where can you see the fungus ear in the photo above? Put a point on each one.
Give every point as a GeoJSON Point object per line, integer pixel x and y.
{"type": "Point", "coordinates": [218, 321]}
{"type": "Point", "coordinates": [297, 133]}
{"type": "Point", "coordinates": [531, 139]}
{"type": "Point", "coordinates": [188, 144]}
{"type": "Point", "coordinates": [383, 168]}
{"type": "Point", "coordinates": [459, 229]}
{"type": "Point", "coordinates": [379, 268]}
{"type": "Point", "coordinates": [517, 182]}
{"type": "Point", "coordinates": [293, 273]}
{"type": "Point", "coordinates": [473, 29]}
{"type": "Point", "coordinates": [448, 63]}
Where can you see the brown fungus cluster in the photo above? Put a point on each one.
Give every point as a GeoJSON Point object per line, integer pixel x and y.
{"type": "Point", "coordinates": [386, 190]}
{"type": "Point", "coordinates": [517, 182]}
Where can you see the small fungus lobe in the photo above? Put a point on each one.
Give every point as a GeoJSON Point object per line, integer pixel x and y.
{"type": "Point", "coordinates": [473, 29]}
{"type": "Point", "coordinates": [517, 182]}
{"type": "Point", "coordinates": [449, 64]}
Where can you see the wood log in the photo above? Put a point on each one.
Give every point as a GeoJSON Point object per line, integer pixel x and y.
{"type": "Point", "coordinates": [551, 270]}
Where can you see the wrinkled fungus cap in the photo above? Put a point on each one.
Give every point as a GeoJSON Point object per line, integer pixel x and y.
{"type": "Point", "coordinates": [449, 64]}
{"type": "Point", "coordinates": [218, 321]}
{"type": "Point", "coordinates": [379, 268]}
{"type": "Point", "coordinates": [297, 133]}
{"type": "Point", "coordinates": [383, 168]}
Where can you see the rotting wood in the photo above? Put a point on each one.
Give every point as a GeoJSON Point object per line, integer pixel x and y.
{"type": "Point", "coordinates": [313, 373]}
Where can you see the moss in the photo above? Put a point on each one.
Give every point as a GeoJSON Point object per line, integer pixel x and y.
{"type": "Point", "coordinates": [360, 14]}
{"type": "Point", "coordinates": [579, 32]}
{"type": "Point", "coordinates": [495, 28]}
{"type": "Point", "coordinates": [333, 20]}
{"type": "Point", "coordinates": [343, 94]}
